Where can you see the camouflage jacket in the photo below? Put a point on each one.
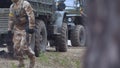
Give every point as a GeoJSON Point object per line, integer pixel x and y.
{"type": "Point", "coordinates": [20, 13]}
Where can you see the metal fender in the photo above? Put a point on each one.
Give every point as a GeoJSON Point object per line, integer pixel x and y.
{"type": "Point", "coordinates": [59, 19]}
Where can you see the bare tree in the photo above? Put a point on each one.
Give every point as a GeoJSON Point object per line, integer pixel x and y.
{"type": "Point", "coordinates": [103, 25]}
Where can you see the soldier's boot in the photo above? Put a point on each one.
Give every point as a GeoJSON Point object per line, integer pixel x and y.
{"type": "Point", "coordinates": [21, 62]}
{"type": "Point", "coordinates": [31, 56]}
{"type": "Point", "coordinates": [32, 61]}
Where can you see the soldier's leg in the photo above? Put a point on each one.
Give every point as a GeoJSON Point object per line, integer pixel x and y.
{"type": "Point", "coordinates": [28, 50]}
{"type": "Point", "coordinates": [17, 51]}
{"type": "Point", "coordinates": [31, 56]}
{"type": "Point", "coordinates": [30, 53]}
{"type": "Point", "coordinates": [21, 61]}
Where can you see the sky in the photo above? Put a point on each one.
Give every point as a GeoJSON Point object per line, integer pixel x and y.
{"type": "Point", "coordinates": [69, 2]}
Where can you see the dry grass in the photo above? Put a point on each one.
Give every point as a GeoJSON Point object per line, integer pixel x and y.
{"type": "Point", "coordinates": [70, 59]}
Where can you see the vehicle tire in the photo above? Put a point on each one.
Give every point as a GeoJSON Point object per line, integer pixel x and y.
{"type": "Point", "coordinates": [61, 40]}
{"type": "Point", "coordinates": [10, 49]}
{"type": "Point", "coordinates": [40, 37]}
{"type": "Point", "coordinates": [78, 36]}
{"type": "Point", "coordinates": [10, 45]}
{"type": "Point", "coordinates": [2, 38]}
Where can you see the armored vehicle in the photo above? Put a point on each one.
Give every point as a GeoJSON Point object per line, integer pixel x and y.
{"type": "Point", "coordinates": [52, 24]}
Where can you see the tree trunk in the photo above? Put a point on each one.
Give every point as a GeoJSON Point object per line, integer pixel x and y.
{"type": "Point", "coordinates": [103, 24]}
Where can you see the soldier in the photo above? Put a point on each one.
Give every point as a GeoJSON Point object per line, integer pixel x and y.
{"type": "Point", "coordinates": [21, 15]}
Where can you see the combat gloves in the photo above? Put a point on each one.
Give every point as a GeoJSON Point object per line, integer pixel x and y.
{"type": "Point", "coordinates": [30, 31]}
{"type": "Point", "coordinates": [9, 33]}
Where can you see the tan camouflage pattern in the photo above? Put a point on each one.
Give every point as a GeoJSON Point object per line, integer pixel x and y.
{"type": "Point", "coordinates": [28, 10]}
{"type": "Point", "coordinates": [21, 47]}
{"type": "Point", "coordinates": [19, 40]}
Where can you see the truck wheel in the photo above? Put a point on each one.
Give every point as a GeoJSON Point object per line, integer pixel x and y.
{"type": "Point", "coordinates": [10, 49]}
{"type": "Point", "coordinates": [78, 36]}
{"type": "Point", "coordinates": [61, 40]}
{"type": "Point", "coordinates": [40, 37]}
{"type": "Point", "coordinates": [10, 45]}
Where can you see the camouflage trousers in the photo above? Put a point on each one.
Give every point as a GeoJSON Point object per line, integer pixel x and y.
{"type": "Point", "coordinates": [22, 48]}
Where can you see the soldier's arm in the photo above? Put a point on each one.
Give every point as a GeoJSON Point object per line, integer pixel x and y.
{"type": "Point", "coordinates": [30, 14]}
{"type": "Point", "coordinates": [10, 21]}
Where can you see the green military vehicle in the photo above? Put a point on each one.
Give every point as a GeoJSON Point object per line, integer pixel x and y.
{"type": "Point", "coordinates": [51, 25]}
{"type": "Point", "coordinates": [74, 17]}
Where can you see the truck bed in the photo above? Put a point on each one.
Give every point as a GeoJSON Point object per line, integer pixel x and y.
{"type": "Point", "coordinates": [42, 7]}
{"type": "Point", "coordinates": [4, 19]}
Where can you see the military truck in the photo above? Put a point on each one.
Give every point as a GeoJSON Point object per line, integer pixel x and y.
{"type": "Point", "coordinates": [74, 17]}
{"type": "Point", "coordinates": [51, 25]}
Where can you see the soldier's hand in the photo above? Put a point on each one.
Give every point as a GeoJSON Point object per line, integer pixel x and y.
{"type": "Point", "coordinates": [9, 34]}
{"type": "Point", "coordinates": [30, 31]}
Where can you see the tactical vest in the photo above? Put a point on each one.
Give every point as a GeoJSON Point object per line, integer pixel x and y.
{"type": "Point", "coordinates": [20, 16]}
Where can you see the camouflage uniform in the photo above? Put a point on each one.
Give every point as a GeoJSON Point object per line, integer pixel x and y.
{"type": "Point", "coordinates": [21, 12]}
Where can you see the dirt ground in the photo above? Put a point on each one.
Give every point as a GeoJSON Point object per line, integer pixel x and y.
{"type": "Point", "coordinates": [50, 59]}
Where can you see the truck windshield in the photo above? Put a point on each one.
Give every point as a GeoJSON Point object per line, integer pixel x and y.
{"type": "Point", "coordinates": [73, 4]}
{"type": "Point", "coordinates": [5, 3]}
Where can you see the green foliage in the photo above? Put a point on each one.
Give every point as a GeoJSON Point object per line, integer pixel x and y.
{"type": "Point", "coordinates": [13, 65]}
{"type": "Point", "coordinates": [59, 60]}
{"type": "Point", "coordinates": [43, 58]}
{"type": "Point", "coordinates": [77, 63]}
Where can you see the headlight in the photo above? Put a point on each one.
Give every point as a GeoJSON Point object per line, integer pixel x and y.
{"type": "Point", "coordinates": [69, 19]}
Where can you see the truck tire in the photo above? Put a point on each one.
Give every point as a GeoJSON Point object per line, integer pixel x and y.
{"type": "Point", "coordinates": [10, 49]}
{"type": "Point", "coordinates": [10, 45]}
{"type": "Point", "coordinates": [78, 36]}
{"type": "Point", "coordinates": [61, 40]}
{"type": "Point", "coordinates": [40, 37]}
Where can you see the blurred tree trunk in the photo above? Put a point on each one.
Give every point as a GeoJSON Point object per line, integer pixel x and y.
{"type": "Point", "coordinates": [103, 25]}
